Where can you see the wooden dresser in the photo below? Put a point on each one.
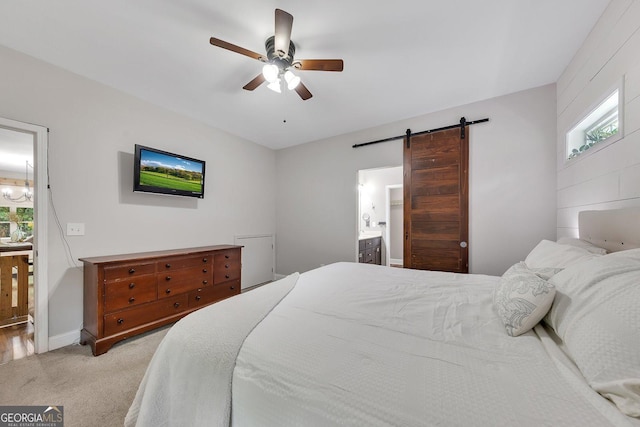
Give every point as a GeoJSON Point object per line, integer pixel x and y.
{"type": "Point", "coordinates": [126, 295]}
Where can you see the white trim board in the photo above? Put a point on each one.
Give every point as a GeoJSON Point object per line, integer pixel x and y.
{"type": "Point", "coordinates": [63, 340]}
{"type": "Point", "coordinates": [41, 219]}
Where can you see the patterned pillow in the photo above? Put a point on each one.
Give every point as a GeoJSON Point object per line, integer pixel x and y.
{"type": "Point", "coordinates": [522, 298]}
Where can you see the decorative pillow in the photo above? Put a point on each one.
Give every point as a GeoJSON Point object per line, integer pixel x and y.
{"type": "Point", "coordinates": [545, 273]}
{"type": "Point", "coordinates": [596, 313]}
{"type": "Point", "coordinates": [522, 298]}
{"type": "Point", "coordinates": [579, 243]}
{"type": "Point", "coordinates": [551, 254]}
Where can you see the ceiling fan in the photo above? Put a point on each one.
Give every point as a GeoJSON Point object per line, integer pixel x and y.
{"type": "Point", "coordinates": [279, 59]}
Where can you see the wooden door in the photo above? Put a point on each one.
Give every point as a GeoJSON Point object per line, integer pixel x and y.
{"type": "Point", "coordinates": [436, 199]}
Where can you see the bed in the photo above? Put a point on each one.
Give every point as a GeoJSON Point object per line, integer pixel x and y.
{"type": "Point", "coordinates": [554, 341]}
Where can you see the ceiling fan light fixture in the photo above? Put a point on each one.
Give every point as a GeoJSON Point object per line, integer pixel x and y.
{"type": "Point", "coordinates": [291, 79]}
{"type": "Point", "coordinates": [275, 86]}
{"type": "Point", "coordinates": [270, 72]}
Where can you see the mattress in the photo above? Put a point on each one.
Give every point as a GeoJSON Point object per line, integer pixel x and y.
{"type": "Point", "coordinates": [358, 344]}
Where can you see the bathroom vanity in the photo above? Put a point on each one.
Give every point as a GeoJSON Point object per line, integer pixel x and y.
{"type": "Point", "coordinates": [370, 249]}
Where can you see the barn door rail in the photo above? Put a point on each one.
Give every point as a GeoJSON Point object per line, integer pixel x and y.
{"type": "Point", "coordinates": [463, 122]}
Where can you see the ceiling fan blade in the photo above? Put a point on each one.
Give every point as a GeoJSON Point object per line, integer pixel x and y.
{"type": "Point", "coordinates": [320, 64]}
{"type": "Point", "coordinates": [233, 48]}
{"type": "Point", "coordinates": [284, 23]}
{"type": "Point", "coordinates": [303, 91]}
{"type": "Point", "coordinates": [257, 81]}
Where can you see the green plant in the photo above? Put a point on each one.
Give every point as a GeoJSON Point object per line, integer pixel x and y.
{"type": "Point", "coordinates": [593, 137]}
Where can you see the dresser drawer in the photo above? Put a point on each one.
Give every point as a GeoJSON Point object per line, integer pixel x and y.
{"type": "Point", "coordinates": [137, 290]}
{"type": "Point", "coordinates": [121, 321]}
{"type": "Point", "coordinates": [370, 243]}
{"type": "Point", "coordinates": [175, 282]}
{"type": "Point", "coordinates": [170, 264]}
{"type": "Point", "coordinates": [125, 272]}
{"type": "Point", "coordinates": [209, 294]}
{"type": "Point", "coordinates": [226, 266]}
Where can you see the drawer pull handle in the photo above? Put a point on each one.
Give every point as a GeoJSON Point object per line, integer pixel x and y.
{"type": "Point", "coordinates": [226, 276]}
{"type": "Point", "coordinates": [167, 278]}
{"type": "Point", "coordinates": [120, 321]}
{"type": "Point", "coordinates": [167, 265]}
{"type": "Point", "coordinates": [204, 270]}
{"type": "Point", "coordinates": [176, 304]}
{"type": "Point", "coordinates": [226, 256]}
{"type": "Point", "coordinates": [168, 291]}
{"type": "Point", "coordinates": [132, 285]}
{"type": "Point", "coordinates": [131, 300]}
{"type": "Point", "coordinates": [226, 266]}
{"type": "Point", "coordinates": [198, 297]}
{"type": "Point", "coordinates": [204, 282]}
{"type": "Point", "coordinates": [232, 287]}
{"type": "Point", "coordinates": [204, 259]}
{"type": "Point", "coordinates": [132, 270]}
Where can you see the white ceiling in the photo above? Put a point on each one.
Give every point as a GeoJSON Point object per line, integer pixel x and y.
{"type": "Point", "coordinates": [401, 59]}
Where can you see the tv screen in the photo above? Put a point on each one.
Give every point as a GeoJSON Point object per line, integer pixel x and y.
{"type": "Point", "coordinates": [157, 171]}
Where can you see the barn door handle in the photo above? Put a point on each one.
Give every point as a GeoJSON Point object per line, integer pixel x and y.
{"type": "Point", "coordinates": [463, 244]}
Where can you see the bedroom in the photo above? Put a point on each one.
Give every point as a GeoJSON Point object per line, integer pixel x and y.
{"type": "Point", "coordinates": [91, 122]}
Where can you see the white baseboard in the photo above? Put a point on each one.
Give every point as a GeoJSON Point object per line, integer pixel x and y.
{"type": "Point", "coordinates": [394, 261]}
{"type": "Point", "coordinates": [279, 276]}
{"type": "Point", "coordinates": [64, 340]}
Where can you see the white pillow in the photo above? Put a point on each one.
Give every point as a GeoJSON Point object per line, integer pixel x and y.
{"type": "Point", "coordinates": [629, 253]}
{"type": "Point", "coordinates": [579, 243]}
{"type": "Point", "coordinates": [548, 254]}
{"type": "Point", "coordinates": [522, 298]}
{"type": "Point", "coordinates": [596, 313]}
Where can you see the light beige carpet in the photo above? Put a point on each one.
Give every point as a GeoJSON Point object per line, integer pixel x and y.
{"type": "Point", "coordinates": [95, 391]}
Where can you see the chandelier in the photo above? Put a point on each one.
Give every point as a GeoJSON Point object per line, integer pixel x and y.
{"type": "Point", "coordinates": [27, 194]}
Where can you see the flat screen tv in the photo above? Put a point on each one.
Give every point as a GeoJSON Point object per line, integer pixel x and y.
{"type": "Point", "coordinates": [157, 171]}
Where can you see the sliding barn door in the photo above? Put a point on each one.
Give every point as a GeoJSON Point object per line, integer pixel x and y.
{"type": "Point", "coordinates": [436, 199]}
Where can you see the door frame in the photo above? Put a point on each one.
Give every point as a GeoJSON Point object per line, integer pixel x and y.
{"type": "Point", "coordinates": [387, 244]}
{"type": "Point", "coordinates": [40, 230]}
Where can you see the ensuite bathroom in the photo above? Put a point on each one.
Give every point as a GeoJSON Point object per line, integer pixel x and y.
{"type": "Point", "coordinates": [380, 216]}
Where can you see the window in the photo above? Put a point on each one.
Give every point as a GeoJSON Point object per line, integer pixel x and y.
{"type": "Point", "coordinates": [5, 225]}
{"type": "Point", "coordinates": [12, 218]}
{"type": "Point", "coordinates": [600, 125]}
{"type": "Point", "coordinates": [26, 217]}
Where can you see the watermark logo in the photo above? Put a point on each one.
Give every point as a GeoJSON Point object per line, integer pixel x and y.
{"type": "Point", "coordinates": [31, 416]}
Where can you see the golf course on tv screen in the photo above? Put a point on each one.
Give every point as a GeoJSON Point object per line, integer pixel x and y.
{"type": "Point", "coordinates": [164, 171]}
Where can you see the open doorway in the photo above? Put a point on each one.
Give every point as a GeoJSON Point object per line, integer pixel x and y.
{"type": "Point", "coordinates": [394, 202]}
{"type": "Point", "coordinates": [375, 223]}
{"type": "Point", "coordinates": [24, 295]}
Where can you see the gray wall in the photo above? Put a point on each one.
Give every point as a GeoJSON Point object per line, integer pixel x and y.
{"type": "Point", "coordinates": [607, 178]}
{"type": "Point", "coordinates": [93, 129]}
{"type": "Point", "coordinates": [512, 183]}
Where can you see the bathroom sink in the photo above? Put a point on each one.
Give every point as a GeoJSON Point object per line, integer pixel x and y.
{"type": "Point", "coordinates": [368, 234]}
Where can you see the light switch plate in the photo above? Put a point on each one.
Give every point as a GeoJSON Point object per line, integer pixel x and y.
{"type": "Point", "coordinates": [75, 229]}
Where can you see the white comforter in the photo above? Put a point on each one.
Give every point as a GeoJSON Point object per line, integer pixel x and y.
{"type": "Point", "coordinates": [363, 345]}
{"type": "Point", "coordinates": [188, 382]}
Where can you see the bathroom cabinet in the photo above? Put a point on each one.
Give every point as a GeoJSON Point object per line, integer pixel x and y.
{"type": "Point", "coordinates": [370, 250]}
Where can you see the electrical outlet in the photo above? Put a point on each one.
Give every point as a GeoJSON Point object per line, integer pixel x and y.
{"type": "Point", "coordinates": [75, 229]}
